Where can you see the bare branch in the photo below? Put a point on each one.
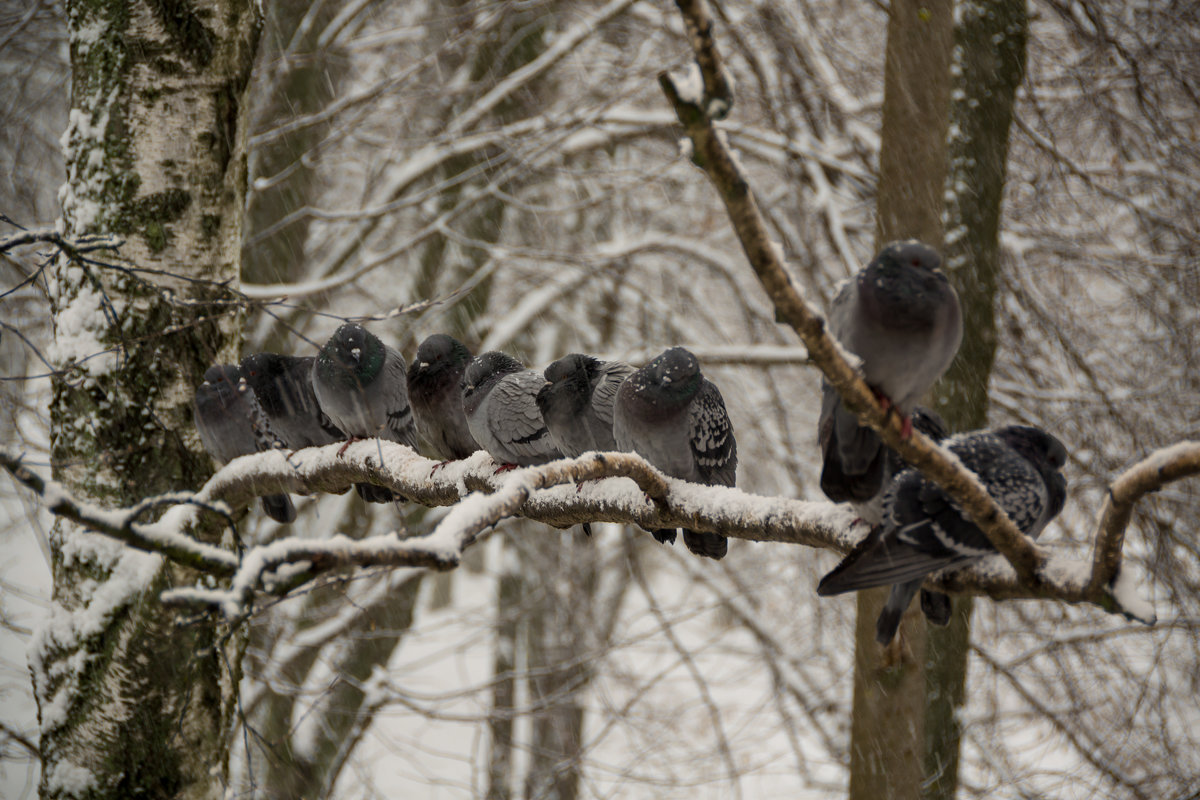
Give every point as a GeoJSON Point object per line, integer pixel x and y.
{"type": "Point", "coordinates": [30, 748]}
{"type": "Point", "coordinates": [71, 246]}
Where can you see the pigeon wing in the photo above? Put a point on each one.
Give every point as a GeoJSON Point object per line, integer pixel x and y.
{"type": "Point", "coordinates": [713, 445]}
{"type": "Point", "coordinates": [514, 419]}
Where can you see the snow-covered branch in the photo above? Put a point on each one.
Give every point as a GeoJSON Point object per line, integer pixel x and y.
{"type": "Point", "coordinates": [165, 536]}
{"type": "Point", "coordinates": [596, 487]}
{"type": "Point", "coordinates": [1149, 475]}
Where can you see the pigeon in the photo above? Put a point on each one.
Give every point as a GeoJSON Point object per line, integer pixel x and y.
{"type": "Point", "coordinates": [900, 315]}
{"type": "Point", "coordinates": [361, 385]}
{"type": "Point", "coordinates": [937, 606]}
{"type": "Point", "coordinates": [435, 391]}
{"type": "Point", "coordinates": [890, 464]}
{"type": "Point", "coordinates": [925, 531]}
{"type": "Point", "coordinates": [231, 423]}
{"type": "Point", "coordinates": [577, 402]}
{"type": "Point", "coordinates": [499, 397]}
{"type": "Point", "coordinates": [675, 418]}
{"type": "Point", "coordinates": [283, 386]}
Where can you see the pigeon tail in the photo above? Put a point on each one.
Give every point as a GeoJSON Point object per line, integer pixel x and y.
{"type": "Point", "coordinates": [279, 508]}
{"type": "Point", "coordinates": [711, 545]}
{"type": "Point", "coordinates": [858, 446]}
{"type": "Point", "coordinates": [897, 603]}
{"type": "Point", "coordinates": [883, 562]}
{"type": "Point", "coordinates": [664, 535]}
{"type": "Point", "coordinates": [842, 487]}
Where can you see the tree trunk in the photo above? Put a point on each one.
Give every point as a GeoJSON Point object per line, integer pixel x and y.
{"type": "Point", "coordinates": [559, 634]}
{"type": "Point", "coordinates": [130, 703]}
{"type": "Point", "coordinates": [509, 596]}
{"type": "Point", "coordinates": [887, 721]}
{"type": "Point", "coordinates": [336, 723]}
{"type": "Point", "coordinates": [989, 65]}
{"type": "Point", "coordinates": [296, 76]}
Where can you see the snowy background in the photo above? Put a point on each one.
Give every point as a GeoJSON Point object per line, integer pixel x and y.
{"type": "Point", "coordinates": [562, 219]}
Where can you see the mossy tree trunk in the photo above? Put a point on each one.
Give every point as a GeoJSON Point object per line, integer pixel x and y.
{"type": "Point", "coordinates": [886, 737]}
{"type": "Point", "coordinates": [989, 64]}
{"type": "Point", "coordinates": [130, 703]}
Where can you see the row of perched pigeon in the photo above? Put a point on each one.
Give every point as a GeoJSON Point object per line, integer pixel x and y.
{"type": "Point", "coordinates": [448, 405]}
{"type": "Point", "coordinates": [899, 315]}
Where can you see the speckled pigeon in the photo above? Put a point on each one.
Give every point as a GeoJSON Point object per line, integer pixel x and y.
{"type": "Point", "coordinates": [231, 423]}
{"type": "Point", "coordinates": [361, 385]}
{"type": "Point", "coordinates": [675, 418]}
{"type": "Point", "coordinates": [435, 391]}
{"type": "Point", "coordinates": [937, 606]}
{"type": "Point", "coordinates": [925, 531]}
{"type": "Point", "coordinates": [577, 402]}
{"type": "Point", "coordinates": [901, 316]}
{"type": "Point", "coordinates": [499, 398]}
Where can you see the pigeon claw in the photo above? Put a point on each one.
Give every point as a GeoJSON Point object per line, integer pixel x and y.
{"type": "Point", "coordinates": [906, 427]}
{"type": "Point", "coordinates": [342, 450]}
{"type": "Point", "coordinates": [505, 468]}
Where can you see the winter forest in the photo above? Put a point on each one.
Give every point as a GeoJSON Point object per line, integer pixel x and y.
{"type": "Point", "coordinates": [185, 183]}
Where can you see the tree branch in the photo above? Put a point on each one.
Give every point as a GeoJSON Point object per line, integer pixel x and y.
{"type": "Point", "coordinates": [561, 494]}
{"type": "Point", "coordinates": [163, 537]}
{"type": "Point", "coordinates": [71, 246]}
{"type": "Point", "coordinates": [711, 153]}
{"type": "Point", "coordinates": [1149, 475]}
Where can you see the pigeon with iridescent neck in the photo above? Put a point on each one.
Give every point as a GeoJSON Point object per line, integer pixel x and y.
{"type": "Point", "coordinates": [362, 387]}
{"type": "Point", "coordinates": [577, 402]}
{"type": "Point", "coordinates": [435, 391]}
{"type": "Point", "coordinates": [283, 386]}
{"type": "Point", "coordinates": [500, 399]}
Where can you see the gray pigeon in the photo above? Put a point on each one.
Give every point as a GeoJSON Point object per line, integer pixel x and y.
{"type": "Point", "coordinates": [231, 423]}
{"type": "Point", "coordinates": [435, 391]}
{"type": "Point", "coordinates": [924, 530]}
{"type": "Point", "coordinates": [675, 418]}
{"type": "Point", "coordinates": [283, 386]}
{"type": "Point", "coordinates": [901, 316]}
{"type": "Point", "coordinates": [577, 402]}
{"type": "Point", "coordinates": [499, 398]}
{"type": "Point", "coordinates": [361, 385]}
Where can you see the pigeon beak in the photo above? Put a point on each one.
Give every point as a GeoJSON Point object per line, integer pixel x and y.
{"type": "Point", "coordinates": [423, 365]}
